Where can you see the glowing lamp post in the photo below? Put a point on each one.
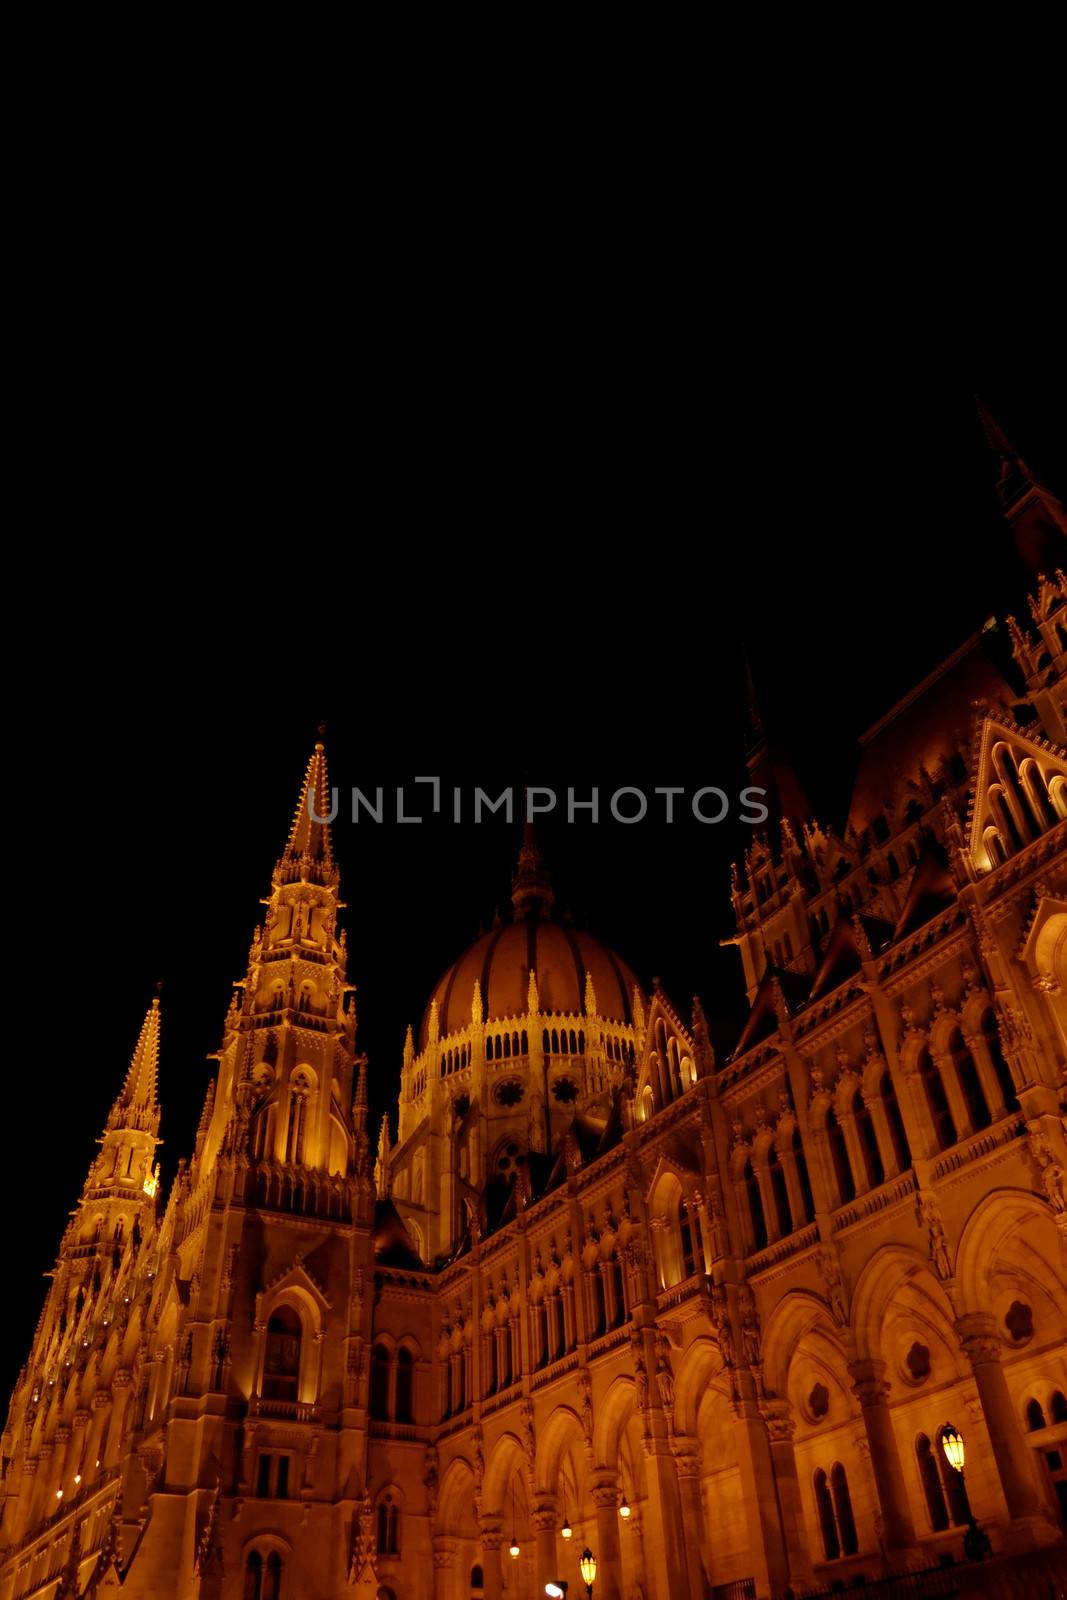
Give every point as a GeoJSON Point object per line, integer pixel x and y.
{"type": "Point", "coordinates": [976, 1545]}
{"type": "Point", "coordinates": [587, 1568]}
{"type": "Point", "coordinates": [952, 1445]}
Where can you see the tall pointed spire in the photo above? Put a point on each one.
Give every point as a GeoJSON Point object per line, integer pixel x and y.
{"type": "Point", "coordinates": [532, 893]}
{"type": "Point", "coordinates": [142, 1076]}
{"type": "Point", "coordinates": [1037, 519]}
{"type": "Point", "coordinates": [768, 768]}
{"type": "Point", "coordinates": [308, 850]}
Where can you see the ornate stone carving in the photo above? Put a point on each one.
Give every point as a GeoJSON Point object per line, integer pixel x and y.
{"type": "Point", "coordinates": [929, 1216]}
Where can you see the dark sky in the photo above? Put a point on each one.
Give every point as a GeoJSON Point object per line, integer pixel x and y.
{"type": "Point", "coordinates": [562, 600]}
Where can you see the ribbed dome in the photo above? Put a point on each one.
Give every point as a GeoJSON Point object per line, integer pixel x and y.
{"type": "Point", "coordinates": [501, 962]}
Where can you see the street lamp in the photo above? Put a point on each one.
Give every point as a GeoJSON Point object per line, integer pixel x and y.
{"type": "Point", "coordinates": [587, 1568]}
{"type": "Point", "coordinates": [976, 1545]}
{"type": "Point", "coordinates": [624, 1509]}
{"type": "Point", "coordinates": [556, 1589]}
{"type": "Point", "coordinates": [952, 1445]}
{"type": "Point", "coordinates": [513, 1547]}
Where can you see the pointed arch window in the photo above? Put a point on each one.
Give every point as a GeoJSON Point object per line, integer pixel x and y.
{"type": "Point", "coordinates": [897, 1132]}
{"type": "Point", "coordinates": [1035, 1417]}
{"type": "Point", "coordinates": [936, 1100]}
{"type": "Point", "coordinates": [930, 1479]}
{"type": "Point", "coordinates": [263, 1578]}
{"type": "Point", "coordinates": [835, 1138]}
{"type": "Point", "coordinates": [379, 1383]}
{"type": "Point", "coordinates": [846, 1522]}
{"type": "Point", "coordinates": [757, 1220]}
{"type": "Point", "coordinates": [959, 1508]}
{"type": "Point", "coordinates": [281, 1365]}
{"type": "Point", "coordinates": [824, 1506]}
{"type": "Point", "coordinates": [388, 1526]}
{"type": "Point", "coordinates": [1005, 1081]}
{"type": "Point", "coordinates": [803, 1176]}
{"type": "Point", "coordinates": [299, 1098]}
{"type": "Point", "coordinates": [1058, 1406]}
{"type": "Point", "coordinates": [405, 1384]}
{"type": "Point", "coordinates": [872, 1156]}
{"type": "Point", "coordinates": [970, 1083]}
{"type": "Point", "coordinates": [779, 1193]}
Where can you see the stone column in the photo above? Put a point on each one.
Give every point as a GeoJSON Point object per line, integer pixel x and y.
{"type": "Point", "coordinates": [668, 1578]}
{"type": "Point", "coordinates": [545, 1519]}
{"type": "Point", "coordinates": [872, 1391]}
{"type": "Point", "coordinates": [980, 1337]}
{"type": "Point", "coordinates": [770, 1563]}
{"type": "Point", "coordinates": [778, 1418]}
{"type": "Point", "coordinates": [492, 1538]}
{"type": "Point", "coordinates": [444, 1558]}
{"type": "Point", "coordinates": [605, 1492]}
{"type": "Point", "coordinates": [687, 1464]}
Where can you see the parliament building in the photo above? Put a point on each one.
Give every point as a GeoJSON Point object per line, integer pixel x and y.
{"type": "Point", "coordinates": [730, 1323]}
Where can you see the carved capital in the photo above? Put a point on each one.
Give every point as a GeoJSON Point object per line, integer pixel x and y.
{"type": "Point", "coordinates": [778, 1417]}
{"type": "Point", "coordinates": [545, 1513]}
{"type": "Point", "coordinates": [444, 1552]}
{"type": "Point", "coordinates": [491, 1532]}
{"type": "Point", "coordinates": [869, 1383]}
{"type": "Point", "coordinates": [980, 1337]}
{"type": "Point", "coordinates": [605, 1489]}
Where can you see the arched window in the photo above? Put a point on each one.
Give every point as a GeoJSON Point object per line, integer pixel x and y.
{"type": "Point", "coordinates": [405, 1382]}
{"type": "Point", "coordinates": [379, 1383]}
{"type": "Point", "coordinates": [824, 1505]}
{"type": "Point", "coordinates": [955, 1489]}
{"type": "Point", "coordinates": [477, 1578]}
{"type": "Point", "coordinates": [388, 1526]}
{"type": "Point", "coordinates": [803, 1176]}
{"type": "Point", "coordinates": [930, 1479]}
{"type": "Point", "coordinates": [991, 1035]}
{"type": "Point", "coordinates": [872, 1156]}
{"type": "Point", "coordinates": [757, 1220]}
{"type": "Point", "coordinates": [970, 1083]}
{"type": "Point", "coordinates": [897, 1132]}
{"type": "Point", "coordinates": [263, 1579]}
{"type": "Point", "coordinates": [281, 1364]}
{"type": "Point", "coordinates": [846, 1522]}
{"type": "Point", "coordinates": [1058, 1406]}
{"type": "Point", "coordinates": [782, 1213]}
{"type": "Point", "coordinates": [685, 1228]}
{"type": "Point", "coordinates": [299, 1095]}
{"type": "Point", "coordinates": [254, 1577]}
{"type": "Point", "coordinates": [1035, 1417]}
{"type": "Point", "coordinates": [936, 1100]}
{"type": "Point", "coordinates": [272, 1577]}
{"type": "Point", "coordinates": [835, 1138]}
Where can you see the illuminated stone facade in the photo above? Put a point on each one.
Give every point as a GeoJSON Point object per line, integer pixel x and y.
{"type": "Point", "coordinates": [736, 1299]}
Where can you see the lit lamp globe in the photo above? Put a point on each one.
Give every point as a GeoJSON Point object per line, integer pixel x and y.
{"type": "Point", "coordinates": [566, 1532]}
{"type": "Point", "coordinates": [556, 1591]}
{"type": "Point", "coordinates": [513, 1548]}
{"type": "Point", "coordinates": [624, 1509]}
{"type": "Point", "coordinates": [587, 1568]}
{"type": "Point", "coordinates": [952, 1445]}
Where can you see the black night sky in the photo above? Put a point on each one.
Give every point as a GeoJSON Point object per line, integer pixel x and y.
{"type": "Point", "coordinates": [565, 603]}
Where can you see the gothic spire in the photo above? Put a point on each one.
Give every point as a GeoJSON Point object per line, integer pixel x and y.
{"type": "Point", "coordinates": [142, 1076]}
{"type": "Point", "coordinates": [768, 768]}
{"type": "Point", "coordinates": [532, 893]}
{"type": "Point", "coordinates": [308, 850]}
{"type": "Point", "coordinates": [1037, 519]}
